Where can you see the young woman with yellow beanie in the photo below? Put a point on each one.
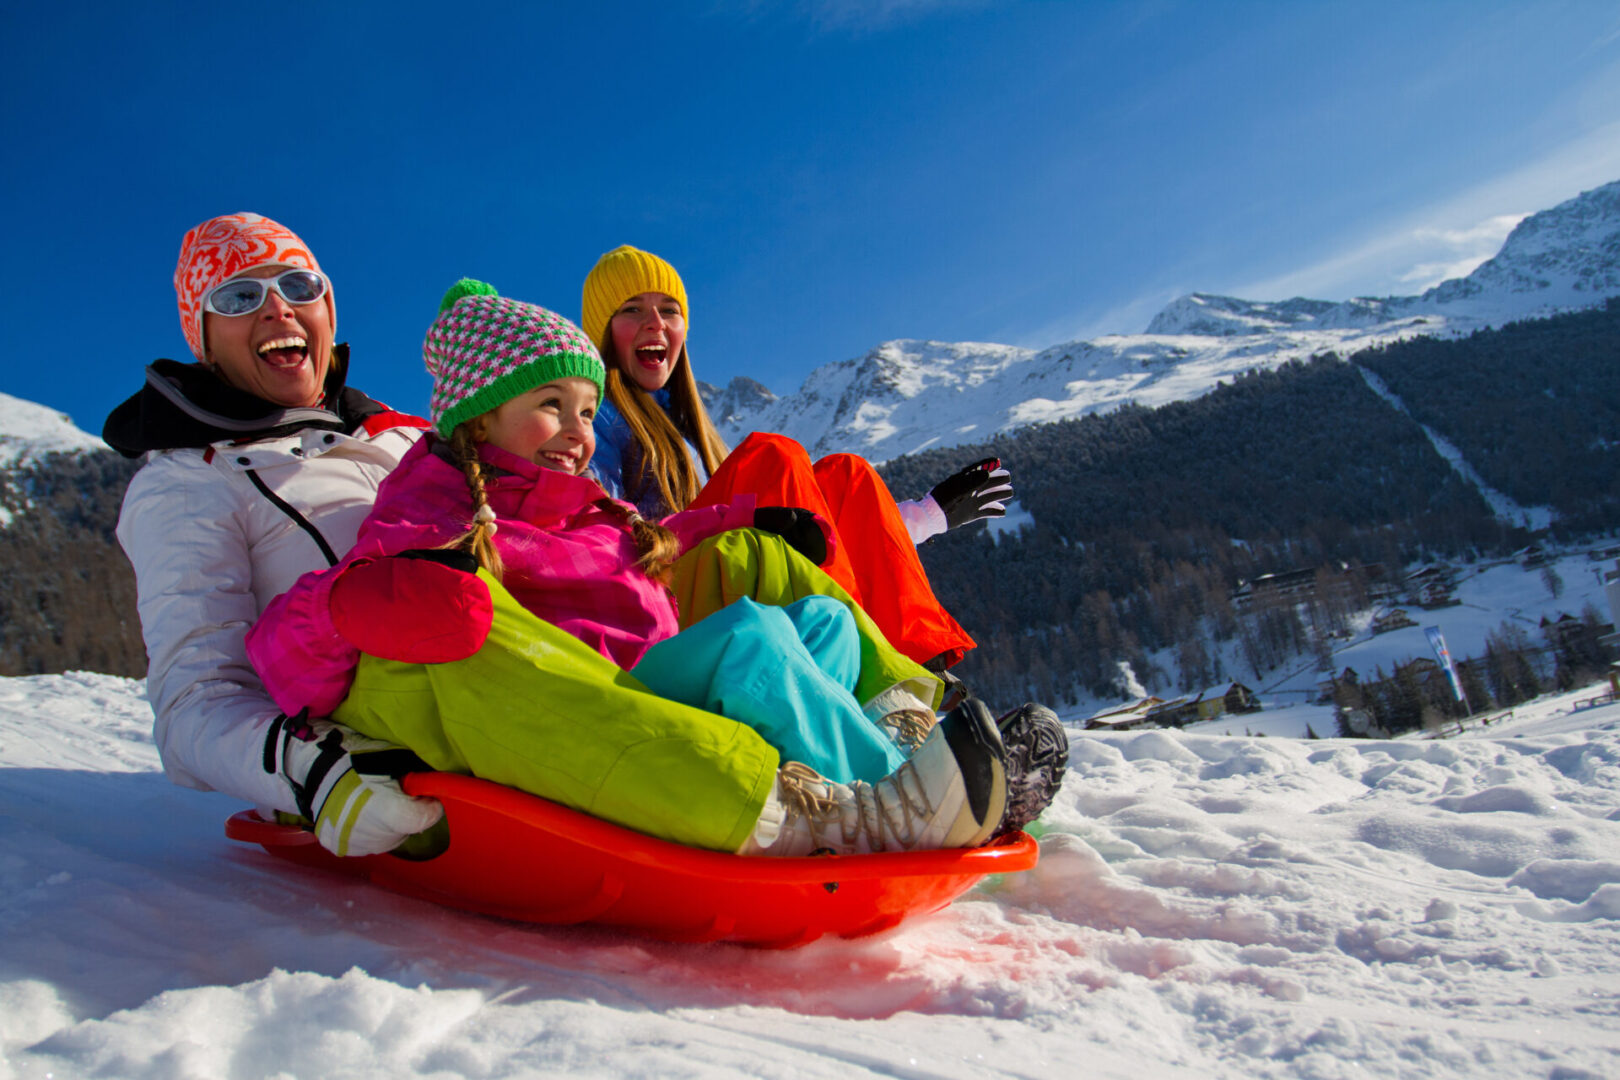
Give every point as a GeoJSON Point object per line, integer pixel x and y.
{"type": "Point", "coordinates": [657, 448]}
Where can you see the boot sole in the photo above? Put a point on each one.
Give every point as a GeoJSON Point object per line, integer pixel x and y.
{"type": "Point", "coordinates": [981, 757]}
{"type": "Point", "coordinates": [1037, 757]}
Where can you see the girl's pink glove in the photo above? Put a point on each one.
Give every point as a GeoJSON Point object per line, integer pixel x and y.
{"type": "Point", "coordinates": [419, 607]}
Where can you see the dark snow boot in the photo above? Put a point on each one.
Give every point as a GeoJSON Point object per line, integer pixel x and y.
{"type": "Point", "coordinates": [1037, 755]}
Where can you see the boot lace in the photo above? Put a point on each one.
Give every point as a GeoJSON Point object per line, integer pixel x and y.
{"type": "Point", "coordinates": [807, 794]}
{"type": "Point", "coordinates": [909, 727]}
{"type": "Point", "coordinates": [893, 808]}
{"type": "Point", "coordinates": [803, 792]}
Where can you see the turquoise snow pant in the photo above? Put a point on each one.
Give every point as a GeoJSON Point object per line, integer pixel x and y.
{"type": "Point", "coordinates": [788, 673]}
{"type": "Point", "coordinates": [746, 562]}
{"type": "Point", "coordinates": [539, 710]}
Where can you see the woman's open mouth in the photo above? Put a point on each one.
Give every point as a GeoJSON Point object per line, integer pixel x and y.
{"type": "Point", "coordinates": [652, 355]}
{"type": "Point", "coordinates": [285, 352]}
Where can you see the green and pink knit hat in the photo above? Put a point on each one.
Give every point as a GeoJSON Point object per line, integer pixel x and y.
{"type": "Point", "coordinates": [484, 350]}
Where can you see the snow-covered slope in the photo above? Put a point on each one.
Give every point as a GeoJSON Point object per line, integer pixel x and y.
{"type": "Point", "coordinates": [906, 396]}
{"type": "Point", "coordinates": [28, 431]}
{"type": "Point", "coordinates": [1205, 906]}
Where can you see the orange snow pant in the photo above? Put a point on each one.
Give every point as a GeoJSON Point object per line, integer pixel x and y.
{"type": "Point", "coordinates": [875, 560]}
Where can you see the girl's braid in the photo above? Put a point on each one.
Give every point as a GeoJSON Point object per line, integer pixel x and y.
{"type": "Point", "coordinates": [657, 546]}
{"type": "Point", "coordinates": [480, 536]}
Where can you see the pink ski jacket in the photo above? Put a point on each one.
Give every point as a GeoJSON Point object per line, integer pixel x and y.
{"type": "Point", "coordinates": [568, 559]}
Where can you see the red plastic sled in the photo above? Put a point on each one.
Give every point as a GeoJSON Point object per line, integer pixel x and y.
{"type": "Point", "coordinates": [521, 857]}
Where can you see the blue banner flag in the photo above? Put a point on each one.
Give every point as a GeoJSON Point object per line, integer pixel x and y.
{"type": "Point", "coordinates": [1438, 642]}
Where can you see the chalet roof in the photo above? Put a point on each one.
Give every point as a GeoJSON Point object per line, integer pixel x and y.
{"type": "Point", "coordinates": [1285, 577]}
{"type": "Point", "coordinates": [1130, 710]}
{"type": "Point", "coordinates": [1175, 703]}
{"type": "Point", "coordinates": [1135, 713]}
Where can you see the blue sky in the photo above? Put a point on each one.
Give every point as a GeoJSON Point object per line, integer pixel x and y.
{"type": "Point", "coordinates": [825, 175]}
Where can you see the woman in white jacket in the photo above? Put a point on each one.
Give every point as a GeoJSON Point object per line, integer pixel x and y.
{"type": "Point", "coordinates": [261, 464]}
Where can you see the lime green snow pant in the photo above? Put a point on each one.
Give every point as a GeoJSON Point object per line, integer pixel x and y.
{"type": "Point", "coordinates": [538, 710]}
{"type": "Point", "coordinates": [761, 566]}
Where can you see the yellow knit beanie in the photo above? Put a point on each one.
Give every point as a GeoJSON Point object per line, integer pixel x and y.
{"type": "Point", "coordinates": [617, 276]}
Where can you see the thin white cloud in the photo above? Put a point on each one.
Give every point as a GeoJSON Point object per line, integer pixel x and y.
{"type": "Point", "coordinates": [849, 16]}
{"type": "Point", "coordinates": [1426, 275]}
{"type": "Point", "coordinates": [1491, 231]}
{"type": "Point", "coordinates": [1129, 317]}
{"type": "Point", "coordinates": [1467, 249]}
{"type": "Point", "coordinates": [1450, 237]}
{"type": "Point", "coordinates": [879, 14]}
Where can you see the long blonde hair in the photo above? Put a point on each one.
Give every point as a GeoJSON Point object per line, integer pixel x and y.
{"type": "Point", "coordinates": [657, 548]}
{"type": "Point", "coordinates": [658, 459]}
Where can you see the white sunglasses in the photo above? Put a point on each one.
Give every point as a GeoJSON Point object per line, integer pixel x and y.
{"type": "Point", "coordinates": [243, 296]}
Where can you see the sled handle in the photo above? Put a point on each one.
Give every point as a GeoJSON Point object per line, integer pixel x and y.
{"type": "Point", "coordinates": [249, 827]}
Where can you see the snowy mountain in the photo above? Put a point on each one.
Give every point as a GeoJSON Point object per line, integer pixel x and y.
{"type": "Point", "coordinates": [905, 396]}
{"type": "Point", "coordinates": [29, 431]}
{"type": "Point", "coordinates": [67, 596]}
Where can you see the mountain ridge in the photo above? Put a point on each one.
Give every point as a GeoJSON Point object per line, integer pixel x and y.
{"type": "Point", "coordinates": [29, 431]}
{"type": "Point", "coordinates": [907, 395]}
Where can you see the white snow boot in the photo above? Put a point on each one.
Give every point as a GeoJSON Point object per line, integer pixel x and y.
{"type": "Point", "coordinates": [952, 793]}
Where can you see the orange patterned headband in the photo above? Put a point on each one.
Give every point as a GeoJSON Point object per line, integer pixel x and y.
{"type": "Point", "coordinates": [222, 248]}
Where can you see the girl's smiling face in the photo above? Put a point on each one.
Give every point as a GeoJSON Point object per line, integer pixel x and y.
{"type": "Point", "coordinates": [648, 332]}
{"type": "Point", "coordinates": [549, 425]}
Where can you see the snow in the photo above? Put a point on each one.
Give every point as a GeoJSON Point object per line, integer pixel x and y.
{"type": "Point", "coordinates": [28, 430]}
{"type": "Point", "coordinates": [1503, 506]}
{"type": "Point", "coordinates": [909, 396]}
{"type": "Point", "coordinates": [1205, 906]}
{"type": "Point", "coordinates": [1016, 520]}
{"type": "Point", "coordinates": [1488, 594]}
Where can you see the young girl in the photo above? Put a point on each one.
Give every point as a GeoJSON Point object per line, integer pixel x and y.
{"type": "Point", "coordinates": [452, 657]}
{"type": "Point", "coordinates": [658, 449]}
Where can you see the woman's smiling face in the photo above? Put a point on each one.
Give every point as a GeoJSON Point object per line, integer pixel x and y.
{"type": "Point", "coordinates": [549, 425]}
{"type": "Point", "coordinates": [648, 332]}
{"type": "Point", "coordinates": [279, 352]}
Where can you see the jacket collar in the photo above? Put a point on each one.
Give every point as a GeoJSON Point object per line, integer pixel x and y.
{"type": "Point", "coordinates": [533, 493]}
{"type": "Point", "coordinates": [187, 405]}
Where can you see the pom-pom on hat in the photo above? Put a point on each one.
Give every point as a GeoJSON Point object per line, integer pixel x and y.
{"type": "Point", "coordinates": [617, 276]}
{"type": "Point", "coordinates": [223, 248]}
{"type": "Point", "coordinates": [484, 350]}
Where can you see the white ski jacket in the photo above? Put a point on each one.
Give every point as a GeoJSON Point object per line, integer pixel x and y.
{"type": "Point", "coordinates": [215, 533]}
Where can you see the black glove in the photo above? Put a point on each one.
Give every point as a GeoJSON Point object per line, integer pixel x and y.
{"type": "Point", "coordinates": [797, 526]}
{"type": "Point", "coordinates": [977, 492]}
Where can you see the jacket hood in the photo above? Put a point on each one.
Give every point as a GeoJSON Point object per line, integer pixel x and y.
{"type": "Point", "coordinates": [187, 405]}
